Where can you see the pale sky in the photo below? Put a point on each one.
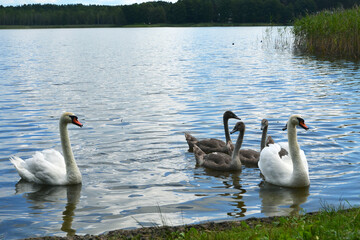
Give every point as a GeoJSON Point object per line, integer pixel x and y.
{"type": "Point", "coordinates": [85, 2]}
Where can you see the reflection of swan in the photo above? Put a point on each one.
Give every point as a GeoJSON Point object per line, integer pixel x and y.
{"type": "Point", "coordinates": [73, 196]}
{"type": "Point", "coordinates": [279, 201]}
{"type": "Point", "coordinates": [231, 180]}
{"type": "Point", "coordinates": [211, 144]}
{"type": "Point", "coordinates": [249, 157]}
{"type": "Point", "coordinates": [221, 161]}
{"type": "Point", "coordinates": [49, 166]}
{"type": "Point", "coordinates": [40, 194]}
{"type": "Point", "coordinates": [290, 170]}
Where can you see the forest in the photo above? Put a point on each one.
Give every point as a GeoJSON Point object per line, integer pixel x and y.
{"type": "Point", "coordinates": [180, 12]}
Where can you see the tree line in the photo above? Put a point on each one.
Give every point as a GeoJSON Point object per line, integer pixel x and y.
{"type": "Point", "coordinates": [180, 12]}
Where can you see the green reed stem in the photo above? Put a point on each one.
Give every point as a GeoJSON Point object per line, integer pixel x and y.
{"type": "Point", "coordinates": [330, 33]}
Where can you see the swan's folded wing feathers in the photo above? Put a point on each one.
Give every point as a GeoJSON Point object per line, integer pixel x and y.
{"type": "Point", "coordinates": [211, 145]}
{"type": "Point", "coordinates": [217, 161]}
{"type": "Point", "coordinates": [284, 145]}
{"type": "Point", "coordinates": [272, 166]}
{"type": "Point", "coordinates": [54, 157]}
{"type": "Point", "coordinates": [44, 170]}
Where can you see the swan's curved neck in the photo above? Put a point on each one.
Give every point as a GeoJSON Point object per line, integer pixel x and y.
{"type": "Point", "coordinates": [299, 170]}
{"type": "Point", "coordinates": [72, 170]}
{"type": "Point", "coordinates": [235, 155]}
{"type": "Point", "coordinates": [226, 128]}
{"type": "Point", "coordinates": [263, 138]}
{"type": "Point", "coordinates": [293, 144]}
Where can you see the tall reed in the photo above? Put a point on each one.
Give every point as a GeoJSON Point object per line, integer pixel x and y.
{"type": "Point", "coordinates": [334, 33]}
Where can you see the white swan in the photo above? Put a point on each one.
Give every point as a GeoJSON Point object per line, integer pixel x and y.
{"type": "Point", "coordinates": [222, 161]}
{"type": "Point", "coordinates": [289, 170]}
{"type": "Point", "coordinates": [49, 166]}
{"type": "Point", "coordinates": [210, 145]}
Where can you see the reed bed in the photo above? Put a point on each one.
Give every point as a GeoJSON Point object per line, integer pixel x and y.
{"type": "Point", "coordinates": [330, 33]}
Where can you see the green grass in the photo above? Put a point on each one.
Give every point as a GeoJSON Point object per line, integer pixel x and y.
{"type": "Point", "coordinates": [326, 225]}
{"type": "Point", "coordinates": [330, 223]}
{"type": "Point", "coordinates": [333, 33]}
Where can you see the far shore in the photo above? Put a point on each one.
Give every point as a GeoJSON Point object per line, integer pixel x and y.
{"type": "Point", "coordinates": [139, 25]}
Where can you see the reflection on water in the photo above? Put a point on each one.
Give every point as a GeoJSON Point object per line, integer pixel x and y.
{"type": "Point", "coordinates": [137, 91]}
{"type": "Point", "coordinates": [39, 195]}
{"type": "Point", "coordinates": [73, 196]}
{"type": "Point", "coordinates": [281, 201]}
{"type": "Point", "coordinates": [231, 180]}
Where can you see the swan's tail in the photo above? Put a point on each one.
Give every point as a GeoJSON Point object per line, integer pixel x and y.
{"type": "Point", "coordinates": [191, 141]}
{"type": "Point", "coordinates": [17, 162]}
{"type": "Point", "coordinates": [20, 166]}
{"type": "Point", "coordinates": [199, 155]}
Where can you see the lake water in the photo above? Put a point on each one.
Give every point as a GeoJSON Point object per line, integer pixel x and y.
{"type": "Point", "coordinates": [137, 91]}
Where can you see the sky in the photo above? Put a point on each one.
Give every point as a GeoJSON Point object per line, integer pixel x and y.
{"type": "Point", "coordinates": [85, 2]}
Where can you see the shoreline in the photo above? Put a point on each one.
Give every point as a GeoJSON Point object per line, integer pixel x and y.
{"type": "Point", "coordinates": [174, 232]}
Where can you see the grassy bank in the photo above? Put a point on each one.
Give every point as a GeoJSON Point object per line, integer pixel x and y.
{"type": "Point", "coordinates": [329, 223]}
{"type": "Point", "coordinates": [330, 33]}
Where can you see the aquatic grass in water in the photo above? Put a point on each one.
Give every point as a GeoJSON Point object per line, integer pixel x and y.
{"type": "Point", "coordinates": [330, 33]}
{"type": "Point", "coordinates": [279, 38]}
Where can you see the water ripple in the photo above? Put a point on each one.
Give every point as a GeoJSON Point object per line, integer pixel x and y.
{"type": "Point", "coordinates": [137, 91]}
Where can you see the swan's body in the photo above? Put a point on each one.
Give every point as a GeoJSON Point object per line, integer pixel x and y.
{"type": "Point", "coordinates": [49, 166]}
{"type": "Point", "coordinates": [289, 170]}
{"type": "Point", "coordinates": [221, 161]}
{"type": "Point", "coordinates": [249, 157]}
{"type": "Point", "coordinates": [211, 144]}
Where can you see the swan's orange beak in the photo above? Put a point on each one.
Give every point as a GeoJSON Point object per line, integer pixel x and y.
{"type": "Point", "coordinates": [76, 122]}
{"type": "Point", "coordinates": [303, 125]}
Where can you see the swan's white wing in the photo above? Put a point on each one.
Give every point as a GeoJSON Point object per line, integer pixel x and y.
{"type": "Point", "coordinates": [54, 157]}
{"type": "Point", "coordinates": [274, 168]}
{"type": "Point", "coordinates": [46, 167]}
{"type": "Point", "coordinates": [284, 145]}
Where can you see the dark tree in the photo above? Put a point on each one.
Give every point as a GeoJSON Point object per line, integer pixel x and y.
{"type": "Point", "coordinates": [182, 11]}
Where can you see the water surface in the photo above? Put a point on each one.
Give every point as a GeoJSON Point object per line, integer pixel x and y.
{"type": "Point", "coordinates": [137, 91]}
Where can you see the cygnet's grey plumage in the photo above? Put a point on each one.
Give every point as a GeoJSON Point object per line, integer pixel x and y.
{"type": "Point", "coordinates": [210, 145]}
{"type": "Point", "coordinates": [249, 157]}
{"type": "Point", "coordinates": [221, 161]}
